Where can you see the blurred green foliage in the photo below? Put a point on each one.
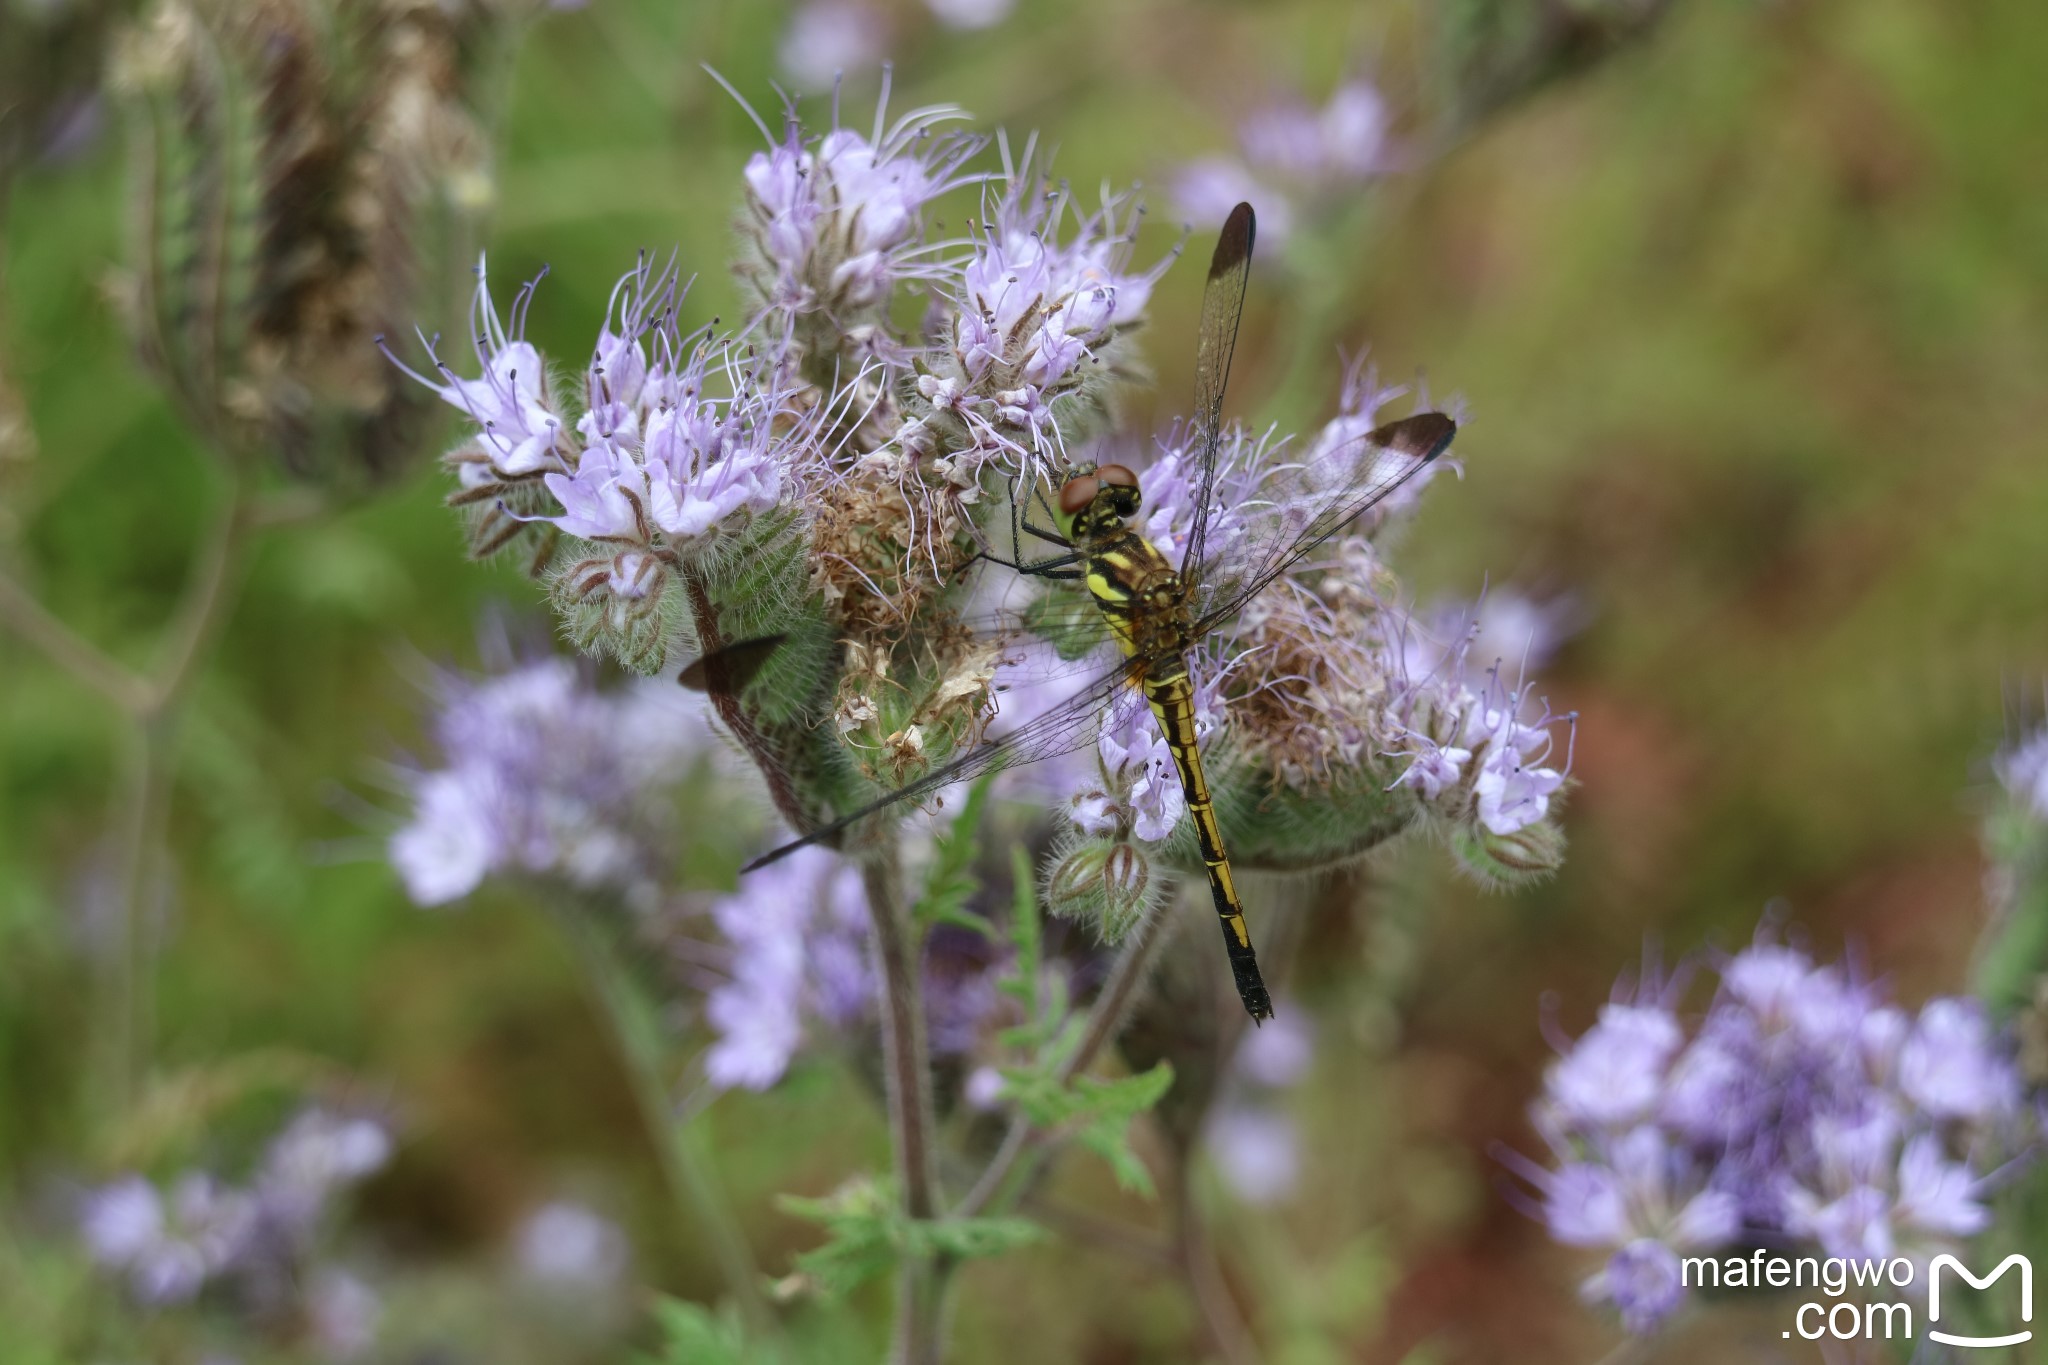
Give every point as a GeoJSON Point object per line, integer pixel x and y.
{"type": "Point", "coordinates": [1751, 321]}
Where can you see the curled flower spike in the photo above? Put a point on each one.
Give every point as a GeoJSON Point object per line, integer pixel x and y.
{"type": "Point", "coordinates": [834, 227]}
{"type": "Point", "coordinates": [1034, 324]}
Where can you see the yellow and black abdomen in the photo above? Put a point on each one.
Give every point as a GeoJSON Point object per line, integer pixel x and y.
{"type": "Point", "coordinates": [1123, 579]}
{"type": "Point", "coordinates": [1173, 703]}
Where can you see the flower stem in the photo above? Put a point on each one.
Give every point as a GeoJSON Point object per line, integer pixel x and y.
{"type": "Point", "coordinates": [1105, 1018]}
{"type": "Point", "coordinates": [920, 1306]}
{"type": "Point", "coordinates": [153, 708]}
{"type": "Point", "coordinates": [70, 651]}
{"type": "Point", "coordinates": [635, 1037]}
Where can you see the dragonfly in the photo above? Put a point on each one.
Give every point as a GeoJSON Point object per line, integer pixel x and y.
{"type": "Point", "coordinates": [1159, 612]}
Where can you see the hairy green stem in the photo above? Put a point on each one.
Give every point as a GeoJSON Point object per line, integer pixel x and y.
{"type": "Point", "coordinates": [635, 1037]}
{"type": "Point", "coordinates": [906, 1071]}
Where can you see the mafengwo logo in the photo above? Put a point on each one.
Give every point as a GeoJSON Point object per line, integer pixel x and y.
{"type": "Point", "coordinates": [1947, 1262]}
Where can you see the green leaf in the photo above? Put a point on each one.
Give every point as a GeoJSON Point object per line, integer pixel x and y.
{"type": "Point", "coordinates": [1095, 1112]}
{"type": "Point", "coordinates": [863, 1234]}
{"type": "Point", "coordinates": [692, 1334]}
{"type": "Point", "coordinates": [867, 1235]}
{"type": "Point", "coordinates": [951, 881]}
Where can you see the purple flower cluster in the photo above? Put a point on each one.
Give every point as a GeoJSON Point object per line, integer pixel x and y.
{"type": "Point", "coordinates": [547, 776]}
{"type": "Point", "coordinates": [1253, 1139]}
{"type": "Point", "coordinates": [570, 1248]}
{"type": "Point", "coordinates": [799, 968]}
{"type": "Point", "coordinates": [2023, 771]}
{"type": "Point", "coordinates": [827, 39]}
{"type": "Point", "coordinates": [1035, 311]}
{"type": "Point", "coordinates": [171, 1242]}
{"type": "Point", "coordinates": [1803, 1108]}
{"type": "Point", "coordinates": [837, 225]}
{"type": "Point", "coordinates": [1290, 156]}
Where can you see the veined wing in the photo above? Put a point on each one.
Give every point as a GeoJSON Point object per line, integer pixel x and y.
{"type": "Point", "coordinates": [1222, 308]}
{"type": "Point", "coordinates": [1312, 502]}
{"type": "Point", "coordinates": [1069, 726]}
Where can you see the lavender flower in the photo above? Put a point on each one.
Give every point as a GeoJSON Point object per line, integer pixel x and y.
{"type": "Point", "coordinates": [798, 935]}
{"type": "Point", "coordinates": [809, 901]}
{"type": "Point", "coordinates": [171, 1242]}
{"type": "Point", "coordinates": [344, 1313]}
{"type": "Point", "coordinates": [1253, 1139]}
{"type": "Point", "coordinates": [1292, 158]}
{"type": "Point", "coordinates": [834, 227]}
{"type": "Point", "coordinates": [1802, 1106]}
{"type": "Point", "coordinates": [2023, 771]}
{"type": "Point", "coordinates": [827, 38]}
{"type": "Point", "coordinates": [970, 14]}
{"type": "Point", "coordinates": [1036, 316]}
{"type": "Point", "coordinates": [547, 776]}
{"type": "Point", "coordinates": [569, 1246]}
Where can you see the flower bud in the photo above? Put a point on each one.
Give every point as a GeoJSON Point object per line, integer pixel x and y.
{"type": "Point", "coordinates": [612, 604]}
{"type": "Point", "coordinates": [1104, 880]}
{"type": "Point", "coordinates": [1529, 854]}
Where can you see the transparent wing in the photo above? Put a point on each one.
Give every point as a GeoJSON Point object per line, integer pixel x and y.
{"type": "Point", "coordinates": [1222, 307]}
{"type": "Point", "coordinates": [1307, 503]}
{"type": "Point", "coordinates": [1064, 728]}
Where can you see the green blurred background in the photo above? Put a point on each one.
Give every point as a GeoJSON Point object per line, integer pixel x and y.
{"type": "Point", "coordinates": [1749, 317]}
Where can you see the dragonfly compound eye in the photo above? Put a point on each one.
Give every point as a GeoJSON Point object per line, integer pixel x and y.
{"type": "Point", "coordinates": [1078, 493]}
{"type": "Point", "coordinates": [1120, 487]}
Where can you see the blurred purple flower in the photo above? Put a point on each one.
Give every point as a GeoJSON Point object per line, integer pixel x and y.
{"type": "Point", "coordinates": [1948, 1065]}
{"type": "Point", "coordinates": [547, 776]}
{"type": "Point", "coordinates": [1257, 1151]}
{"type": "Point", "coordinates": [169, 1243]}
{"type": "Point", "coordinates": [970, 14]}
{"type": "Point", "coordinates": [798, 934]}
{"type": "Point", "coordinates": [1290, 157]}
{"type": "Point", "coordinates": [344, 1313]}
{"type": "Point", "coordinates": [1801, 1107]}
{"type": "Point", "coordinates": [827, 38]}
{"type": "Point", "coordinates": [569, 1246]}
{"type": "Point", "coordinates": [2023, 771]}
{"type": "Point", "coordinates": [1278, 1055]}
{"type": "Point", "coordinates": [1207, 189]}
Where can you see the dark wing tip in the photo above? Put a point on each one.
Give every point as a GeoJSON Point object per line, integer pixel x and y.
{"type": "Point", "coordinates": [1234, 243]}
{"type": "Point", "coordinates": [1423, 436]}
{"type": "Point", "coordinates": [730, 669]}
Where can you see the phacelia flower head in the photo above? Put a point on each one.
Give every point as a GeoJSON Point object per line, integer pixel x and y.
{"type": "Point", "coordinates": [170, 1241]}
{"type": "Point", "coordinates": [1801, 1109]}
{"type": "Point", "coordinates": [1036, 314]}
{"type": "Point", "coordinates": [799, 970]}
{"type": "Point", "coordinates": [1293, 159]}
{"type": "Point", "coordinates": [547, 776]}
{"type": "Point", "coordinates": [835, 225]}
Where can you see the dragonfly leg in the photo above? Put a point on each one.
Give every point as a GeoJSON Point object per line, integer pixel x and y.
{"type": "Point", "coordinates": [1055, 567]}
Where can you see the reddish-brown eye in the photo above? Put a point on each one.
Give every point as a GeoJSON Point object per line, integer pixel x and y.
{"type": "Point", "coordinates": [1116, 476]}
{"type": "Point", "coordinates": [1078, 493]}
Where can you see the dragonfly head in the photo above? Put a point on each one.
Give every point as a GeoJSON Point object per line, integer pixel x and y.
{"type": "Point", "coordinates": [1098, 498]}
